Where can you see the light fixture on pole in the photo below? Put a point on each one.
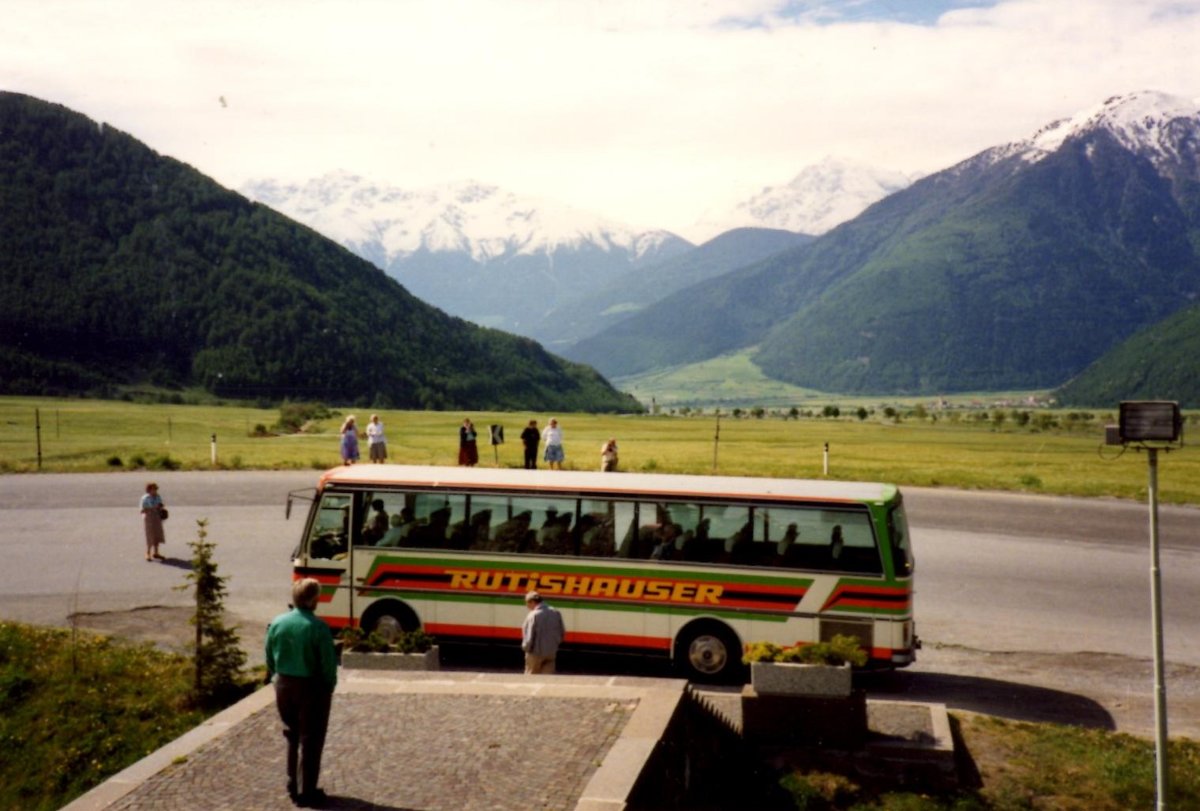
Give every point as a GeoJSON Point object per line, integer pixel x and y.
{"type": "Point", "coordinates": [1152, 425]}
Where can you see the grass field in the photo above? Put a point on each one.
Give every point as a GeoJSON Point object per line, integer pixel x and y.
{"type": "Point", "coordinates": [1055, 453]}
{"type": "Point", "coordinates": [733, 380]}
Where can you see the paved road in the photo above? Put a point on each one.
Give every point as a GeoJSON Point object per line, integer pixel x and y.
{"type": "Point", "coordinates": [996, 572]}
{"type": "Point", "coordinates": [1004, 572]}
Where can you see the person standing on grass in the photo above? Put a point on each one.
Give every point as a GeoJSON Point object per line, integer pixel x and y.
{"type": "Point", "coordinates": [301, 659]}
{"type": "Point", "coordinates": [553, 438]}
{"type": "Point", "coordinates": [541, 634]}
{"type": "Point", "coordinates": [153, 512]}
{"type": "Point", "coordinates": [530, 438]}
{"type": "Point", "coordinates": [349, 441]}
{"type": "Point", "coordinates": [376, 442]}
{"type": "Point", "coordinates": [468, 450]}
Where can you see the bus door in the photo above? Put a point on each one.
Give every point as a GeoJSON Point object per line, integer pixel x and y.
{"type": "Point", "coordinates": [325, 556]}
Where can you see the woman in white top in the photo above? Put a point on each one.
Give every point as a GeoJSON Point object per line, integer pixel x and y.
{"type": "Point", "coordinates": [552, 438]}
{"type": "Point", "coordinates": [376, 442]}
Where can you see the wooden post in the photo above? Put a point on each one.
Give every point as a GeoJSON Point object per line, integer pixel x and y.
{"type": "Point", "coordinates": [37, 427]}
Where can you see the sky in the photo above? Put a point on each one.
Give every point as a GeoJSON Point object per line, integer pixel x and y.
{"type": "Point", "coordinates": [650, 112]}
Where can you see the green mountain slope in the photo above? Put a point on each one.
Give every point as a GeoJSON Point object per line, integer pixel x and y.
{"type": "Point", "coordinates": [120, 265]}
{"type": "Point", "coordinates": [738, 309]}
{"type": "Point", "coordinates": [1020, 286]}
{"type": "Point", "coordinates": [1159, 363]}
{"type": "Point", "coordinates": [632, 292]}
{"type": "Point", "coordinates": [1000, 273]}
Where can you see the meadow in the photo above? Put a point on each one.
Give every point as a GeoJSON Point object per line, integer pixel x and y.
{"type": "Point", "coordinates": [1053, 452]}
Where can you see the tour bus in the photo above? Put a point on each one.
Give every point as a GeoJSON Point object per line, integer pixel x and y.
{"type": "Point", "coordinates": [687, 567]}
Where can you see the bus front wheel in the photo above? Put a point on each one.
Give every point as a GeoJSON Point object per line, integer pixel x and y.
{"type": "Point", "coordinates": [708, 653]}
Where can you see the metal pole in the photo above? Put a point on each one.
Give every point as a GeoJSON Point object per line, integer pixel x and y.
{"type": "Point", "coordinates": [1160, 688]}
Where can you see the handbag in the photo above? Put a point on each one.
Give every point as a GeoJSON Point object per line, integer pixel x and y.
{"type": "Point", "coordinates": [163, 514]}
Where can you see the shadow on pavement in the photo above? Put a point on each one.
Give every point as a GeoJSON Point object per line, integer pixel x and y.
{"type": "Point", "coordinates": [355, 804]}
{"type": "Point", "coordinates": [178, 563]}
{"type": "Point", "coordinates": [1005, 699]}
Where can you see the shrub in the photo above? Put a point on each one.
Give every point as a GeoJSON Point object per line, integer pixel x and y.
{"type": "Point", "coordinates": [819, 790]}
{"type": "Point", "coordinates": [837, 651]}
{"type": "Point", "coordinates": [165, 463]}
{"type": "Point", "coordinates": [293, 417]}
{"type": "Point", "coordinates": [378, 641]}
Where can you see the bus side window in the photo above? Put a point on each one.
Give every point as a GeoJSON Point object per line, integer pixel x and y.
{"type": "Point", "coordinates": [852, 546]}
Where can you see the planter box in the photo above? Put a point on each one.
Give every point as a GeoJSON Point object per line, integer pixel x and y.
{"type": "Point", "coordinates": [830, 722]}
{"type": "Point", "coordinates": [793, 679]}
{"type": "Point", "coordinates": [392, 661]}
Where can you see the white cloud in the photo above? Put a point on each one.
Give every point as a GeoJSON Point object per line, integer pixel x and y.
{"type": "Point", "coordinates": [649, 112]}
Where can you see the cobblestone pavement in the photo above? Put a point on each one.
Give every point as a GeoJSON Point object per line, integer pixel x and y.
{"type": "Point", "coordinates": [409, 751]}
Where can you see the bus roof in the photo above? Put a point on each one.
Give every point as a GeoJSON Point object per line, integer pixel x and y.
{"type": "Point", "coordinates": [583, 483]}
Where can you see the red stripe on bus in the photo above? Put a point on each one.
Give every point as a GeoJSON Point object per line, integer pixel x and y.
{"type": "Point", "coordinates": [573, 637]}
{"type": "Point", "coordinates": [621, 640]}
{"type": "Point", "coordinates": [478, 631]}
{"type": "Point", "coordinates": [861, 597]}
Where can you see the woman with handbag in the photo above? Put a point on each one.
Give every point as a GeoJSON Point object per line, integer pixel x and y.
{"type": "Point", "coordinates": [154, 512]}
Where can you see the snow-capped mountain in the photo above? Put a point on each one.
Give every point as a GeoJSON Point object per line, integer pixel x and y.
{"type": "Point", "coordinates": [1157, 126]}
{"type": "Point", "coordinates": [474, 250]}
{"type": "Point", "coordinates": [821, 197]}
{"type": "Point", "coordinates": [484, 222]}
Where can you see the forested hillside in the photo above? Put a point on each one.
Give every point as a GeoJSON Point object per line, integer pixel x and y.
{"type": "Point", "coordinates": [118, 265]}
{"type": "Point", "coordinates": [1159, 363]}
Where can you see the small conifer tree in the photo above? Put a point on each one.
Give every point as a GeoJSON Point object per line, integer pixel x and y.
{"type": "Point", "coordinates": [219, 658]}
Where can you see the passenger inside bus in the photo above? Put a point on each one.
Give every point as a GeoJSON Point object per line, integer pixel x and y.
{"type": "Point", "coordinates": [433, 534]}
{"type": "Point", "coordinates": [596, 536]}
{"type": "Point", "coordinates": [554, 538]}
{"type": "Point", "coordinates": [514, 534]}
{"type": "Point", "coordinates": [377, 524]}
{"type": "Point", "coordinates": [665, 540]}
{"type": "Point", "coordinates": [402, 524]}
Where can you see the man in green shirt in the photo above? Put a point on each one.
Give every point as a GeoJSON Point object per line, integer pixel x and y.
{"type": "Point", "coordinates": [302, 660]}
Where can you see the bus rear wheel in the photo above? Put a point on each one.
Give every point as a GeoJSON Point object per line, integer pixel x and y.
{"type": "Point", "coordinates": [708, 653]}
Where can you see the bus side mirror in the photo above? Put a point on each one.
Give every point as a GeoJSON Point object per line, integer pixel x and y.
{"type": "Point", "coordinates": [304, 494]}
